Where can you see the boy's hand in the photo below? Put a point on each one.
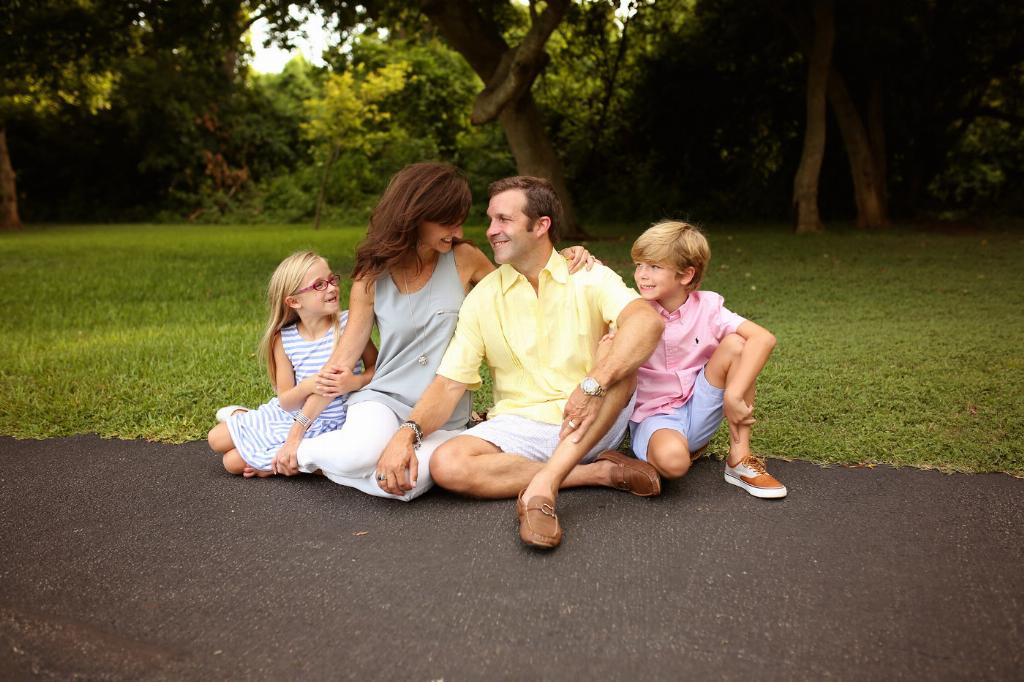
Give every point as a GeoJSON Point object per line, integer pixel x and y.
{"type": "Point", "coordinates": [334, 381]}
{"type": "Point", "coordinates": [737, 413]}
{"type": "Point", "coordinates": [579, 258]}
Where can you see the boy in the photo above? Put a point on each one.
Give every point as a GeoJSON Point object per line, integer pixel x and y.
{"type": "Point", "coordinates": [706, 364]}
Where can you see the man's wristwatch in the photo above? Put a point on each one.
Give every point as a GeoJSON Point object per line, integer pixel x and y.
{"type": "Point", "coordinates": [590, 386]}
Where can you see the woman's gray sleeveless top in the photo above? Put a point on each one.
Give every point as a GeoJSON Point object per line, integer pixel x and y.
{"type": "Point", "coordinates": [413, 326]}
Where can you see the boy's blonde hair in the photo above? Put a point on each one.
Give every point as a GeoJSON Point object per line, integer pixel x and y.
{"type": "Point", "coordinates": [676, 244]}
{"type": "Point", "coordinates": [286, 279]}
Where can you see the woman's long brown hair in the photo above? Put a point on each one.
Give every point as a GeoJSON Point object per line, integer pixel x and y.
{"type": "Point", "coordinates": [435, 192]}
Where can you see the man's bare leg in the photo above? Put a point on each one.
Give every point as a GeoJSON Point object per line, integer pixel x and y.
{"type": "Point", "coordinates": [476, 467]}
{"type": "Point", "coordinates": [568, 454]}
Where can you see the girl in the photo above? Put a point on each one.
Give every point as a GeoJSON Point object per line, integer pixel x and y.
{"type": "Point", "coordinates": [304, 327]}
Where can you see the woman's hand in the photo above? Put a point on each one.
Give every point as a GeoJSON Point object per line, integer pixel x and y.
{"type": "Point", "coordinates": [332, 382]}
{"type": "Point", "coordinates": [398, 468]}
{"type": "Point", "coordinates": [578, 258]}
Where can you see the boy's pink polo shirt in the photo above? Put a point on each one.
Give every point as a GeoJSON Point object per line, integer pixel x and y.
{"type": "Point", "coordinates": [692, 333]}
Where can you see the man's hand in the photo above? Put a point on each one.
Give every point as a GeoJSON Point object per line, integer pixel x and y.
{"type": "Point", "coordinates": [398, 464]}
{"type": "Point", "coordinates": [737, 413]}
{"type": "Point", "coordinates": [580, 412]}
{"type": "Point", "coordinates": [286, 461]}
{"type": "Point", "coordinates": [332, 382]}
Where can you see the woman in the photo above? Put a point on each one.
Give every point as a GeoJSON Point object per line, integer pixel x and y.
{"type": "Point", "coordinates": [411, 274]}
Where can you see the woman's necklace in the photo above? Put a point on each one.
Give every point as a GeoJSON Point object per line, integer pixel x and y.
{"type": "Point", "coordinates": [422, 359]}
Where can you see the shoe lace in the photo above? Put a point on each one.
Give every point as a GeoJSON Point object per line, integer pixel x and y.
{"type": "Point", "coordinates": [755, 463]}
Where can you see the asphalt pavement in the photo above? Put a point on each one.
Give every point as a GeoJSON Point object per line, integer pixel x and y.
{"type": "Point", "coordinates": [136, 560]}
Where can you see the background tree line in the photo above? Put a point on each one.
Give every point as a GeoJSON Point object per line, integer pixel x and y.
{"type": "Point", "coordinates": [794, 109]}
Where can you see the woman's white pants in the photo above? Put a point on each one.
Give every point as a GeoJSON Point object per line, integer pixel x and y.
{"type": "Point", "coordinates": [349, 455]}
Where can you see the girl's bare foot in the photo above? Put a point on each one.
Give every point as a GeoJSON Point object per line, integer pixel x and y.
{"type": "Point", "coordinates": [250, 472]}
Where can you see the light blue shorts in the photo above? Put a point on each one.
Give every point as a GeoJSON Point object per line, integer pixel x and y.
{"type": "Point", "coordinates": [697, 419]}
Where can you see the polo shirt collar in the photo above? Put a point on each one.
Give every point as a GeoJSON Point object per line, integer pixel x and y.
{"type": "Point", "coordinates": [556, 267]}
{"type": "Point", "coordinates": [674, 315]}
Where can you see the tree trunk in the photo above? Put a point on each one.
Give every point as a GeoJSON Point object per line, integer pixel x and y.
{"type": "Point", "coordinates": [508, 74]}
{"type": "Point", "coordinates": [867, 189]}
{"type": "Point", "coordinates": [805, 184]}
{"type": "Point", "coordinates": [609, 90]}
{"type": "Point", "coordinates": [534, 155]}
{"type": "Point", "coordinates": [531, 147]}
{"type": "Point", "coordinates": [323, 186]}
{"type": "Point", "coordinates": [876, 135]}
{"type": "Point", "coordinates": [9, 219]}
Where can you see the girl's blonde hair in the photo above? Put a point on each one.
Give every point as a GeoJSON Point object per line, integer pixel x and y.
{"type": "Point", "coordinates": [286, 279]}
{"type": "Point", "coordinates": [676, 244]}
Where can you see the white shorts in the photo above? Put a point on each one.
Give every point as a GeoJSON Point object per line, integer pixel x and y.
{"type": "Point", "coordinates": [536, 440]}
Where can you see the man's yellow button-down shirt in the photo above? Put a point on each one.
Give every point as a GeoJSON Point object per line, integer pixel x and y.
{"type": "Point", "coordinates": [539, 345]}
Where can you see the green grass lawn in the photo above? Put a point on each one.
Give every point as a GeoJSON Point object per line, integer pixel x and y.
{"type": "Point", "coordinates": [901, 348]}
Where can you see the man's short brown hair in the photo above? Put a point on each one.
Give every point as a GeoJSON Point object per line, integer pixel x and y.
{"type": "Point", "coordinates": [541, 200]}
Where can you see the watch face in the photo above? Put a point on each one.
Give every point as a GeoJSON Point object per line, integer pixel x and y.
{"type": "Point", "coordinates": [590, 386]}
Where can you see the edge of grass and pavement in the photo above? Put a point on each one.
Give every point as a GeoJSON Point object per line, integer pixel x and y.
{"type": "Point", "coordinates": [900, 347]}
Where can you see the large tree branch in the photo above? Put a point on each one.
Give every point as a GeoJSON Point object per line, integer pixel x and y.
{"type": "Point", "coordinates": [476, 37]}
{"type": "Point", "coordinates": [520, 66]}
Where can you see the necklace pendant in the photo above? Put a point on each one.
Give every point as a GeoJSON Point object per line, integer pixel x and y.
{"type": "Point", "coordinates": [422, 359]}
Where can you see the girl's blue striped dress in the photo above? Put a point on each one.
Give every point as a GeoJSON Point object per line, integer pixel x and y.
{"type": "Point", "coordinates": [259, 434]}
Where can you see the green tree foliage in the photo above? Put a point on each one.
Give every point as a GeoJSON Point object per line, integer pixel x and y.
{"type": "Point", "coordinates": [435, 104]}
{"type": "Point", "coordinates": [347, 117]}
{"type": "Point", "coordinates": [53, 54]}
{"type": "Point", "coordinates": [704, 121]}
{"type": "Point", "coordinates": [146, 109]}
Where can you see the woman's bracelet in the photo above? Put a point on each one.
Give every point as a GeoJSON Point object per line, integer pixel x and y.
{"type": "Point", "coordinates": [417, 432]}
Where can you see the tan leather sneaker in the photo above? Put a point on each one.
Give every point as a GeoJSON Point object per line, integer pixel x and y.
{"type": "Point", "coordinates": [751, 475]}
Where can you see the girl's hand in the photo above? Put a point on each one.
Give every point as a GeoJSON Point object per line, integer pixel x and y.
{"type": "Point", "coordinates": [332, 382]}
{"type": "Point", "coordinates": [286, 461]}
{"type": "Point", "coordinates": [579, 258]}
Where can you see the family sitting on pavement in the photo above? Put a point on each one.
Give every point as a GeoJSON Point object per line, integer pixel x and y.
{"type": "Point", "coordinates": [576, 358]}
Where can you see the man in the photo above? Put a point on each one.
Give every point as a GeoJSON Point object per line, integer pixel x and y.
{"type": "Point", "coordinates": [563, 396]}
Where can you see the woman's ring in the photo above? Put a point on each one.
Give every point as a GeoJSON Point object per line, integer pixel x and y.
{"type": "Point", "coordinates": [572, 424]}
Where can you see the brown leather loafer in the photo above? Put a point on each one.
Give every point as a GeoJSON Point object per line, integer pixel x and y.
{"type": "Point", "coordinates": [633, 475]}
{"type": "Point", "coordinates": [538, 523]}
{"type": "Point", "coordinates": [694, 456]}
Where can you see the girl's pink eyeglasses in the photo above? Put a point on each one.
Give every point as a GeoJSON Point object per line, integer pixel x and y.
{"type": "Point", "coordinates": [320, 284]}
